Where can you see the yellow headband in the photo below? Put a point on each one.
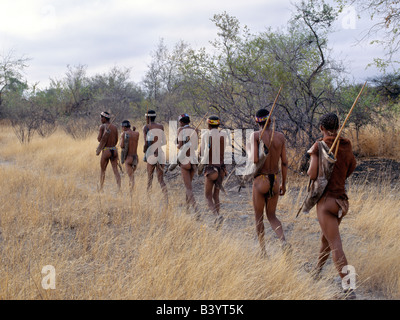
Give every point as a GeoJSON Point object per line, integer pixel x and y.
{"type": "Point", "coordinates": [213, 122]}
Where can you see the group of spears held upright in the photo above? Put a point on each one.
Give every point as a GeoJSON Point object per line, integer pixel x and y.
{"type": "Point", "coordinates": [331, 162]}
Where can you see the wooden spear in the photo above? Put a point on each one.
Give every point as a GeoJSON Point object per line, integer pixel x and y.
{"type": "Point", "coordinates": [147, 112]}
{"type": "Point", "coordinates": [272, 109]}
{"type": "Point", "coordinates": [200, 122]}
{"type": "Point", "coordinates": [344, 123]}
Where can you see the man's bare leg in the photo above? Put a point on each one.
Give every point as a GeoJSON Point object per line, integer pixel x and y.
{"type": "Point", "coordinates": [327, 210]}
{"type": "Point", "coordinates": [212, 197]}
{"type": "Point", "coordinates": [150, 174]}
{"type": "Point", "coordinates": [324, 252]}
{"type": "Point", "coordinates": [220, 219]}
{"type": "Point", "coordinates": [103, 166]}
{"type": "Point", "coordinates": [187, 176]}
{"type": "Point", "coordinates": [114, 164]}
{"type": "Point", "coordinates": [130, 170]}
{"type": "Point", "coordinates": [160, 178]}
{"type": "Point", "coordinates": [261, 187]}
{"type": "Point", "coordinates": [132, 178]}
{"type": "Point", "coordinates": [208, 191]}
{"type": "Point", "coordinates": [258, 205]}
{"type": "Point", "coordinates": [270, 209]}
{"type": "Point", "coordinates": [217, 203]}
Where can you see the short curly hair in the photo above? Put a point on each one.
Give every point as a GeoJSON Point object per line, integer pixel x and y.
{"type": "Point", "coordinates": [329, 121]}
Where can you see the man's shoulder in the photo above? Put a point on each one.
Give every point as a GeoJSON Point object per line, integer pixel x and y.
{"type": "Point", "coordinates": [345, 141]}
{"type": "Point", "coordinates": [223, 135]}
{"type": "Point", "coordinates": [314, 148]}
{"type": "Point", "coordinates": [280, 135]}
{"type": "Point", "coordinates": [153, 125]}
{"type": "Point", "coordinates": [112, 127]}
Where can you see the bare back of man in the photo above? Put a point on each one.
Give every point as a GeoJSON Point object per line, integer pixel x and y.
{"type": "Point", "coordinates": [132, 159]}
{"type": "Point", "coordinates": [109, 152]}
{"type": "Point", "coordinates": [267, 184]}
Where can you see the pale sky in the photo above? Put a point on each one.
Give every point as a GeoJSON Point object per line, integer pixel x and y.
{"type": "Point", "coordinates": [103, 33]}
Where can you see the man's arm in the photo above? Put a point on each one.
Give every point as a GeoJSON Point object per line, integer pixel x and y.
{"type": "Point", "coordinates": [145, 130]}
{"type": "Point", "coordinates": [116, 135]}
{"type": "Point", "coordinates": [163, 138]}
{"type": "Point", "coordinates": [179, 142]}
{"type": "Point", "coordinates": [135, 137]}
{"type": "Point", "coordinates": [284, 168]}
{"type": "Point", "coordinates": [122, 144]}
{"type": "Point", "coordinates": [312, 171]}
{"type": "Point", "coordinates": [203, 141]}
{"type": "Point", "coordinates": [101, 132]}
{"type": "Point", "coordinates": [352, 167]}
{"type": "Point", "coordinates": [255, 146]}
{"type": "Point", "coordinates": [222, 149]}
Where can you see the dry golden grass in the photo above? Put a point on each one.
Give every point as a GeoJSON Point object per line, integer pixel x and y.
{"type": "Point", "coordinates": [375, 142]}
{"type": "Point", "coordinates": [117, 246]}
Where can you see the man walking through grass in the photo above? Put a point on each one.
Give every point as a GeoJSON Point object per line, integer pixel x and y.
{"type": "Point", "coordinates": [108, 139]}
{"type": "Point", "coordinates": [188, 137]}
{"type": "Point", "coordinates": [129, 143]}
{"type": "Point", "coordinates": [212, 150]}
{"type": "Point", "coordinates": [333, 204]}
{"type": "Point", "coordinates": [267, 185]}
{"type": "Point", "coordinates": [154, 139]}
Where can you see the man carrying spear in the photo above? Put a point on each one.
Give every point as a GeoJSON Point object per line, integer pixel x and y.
{"type": "Point", "coordinates": [332, 201]}
{"type": "Point", "coordinates": [333, 204]}
{"type": "Point", "coordinates": [267, 186]}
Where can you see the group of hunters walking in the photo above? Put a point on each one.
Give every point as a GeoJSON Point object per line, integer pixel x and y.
{"type": "Point", "coordinates": [269, 182]}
